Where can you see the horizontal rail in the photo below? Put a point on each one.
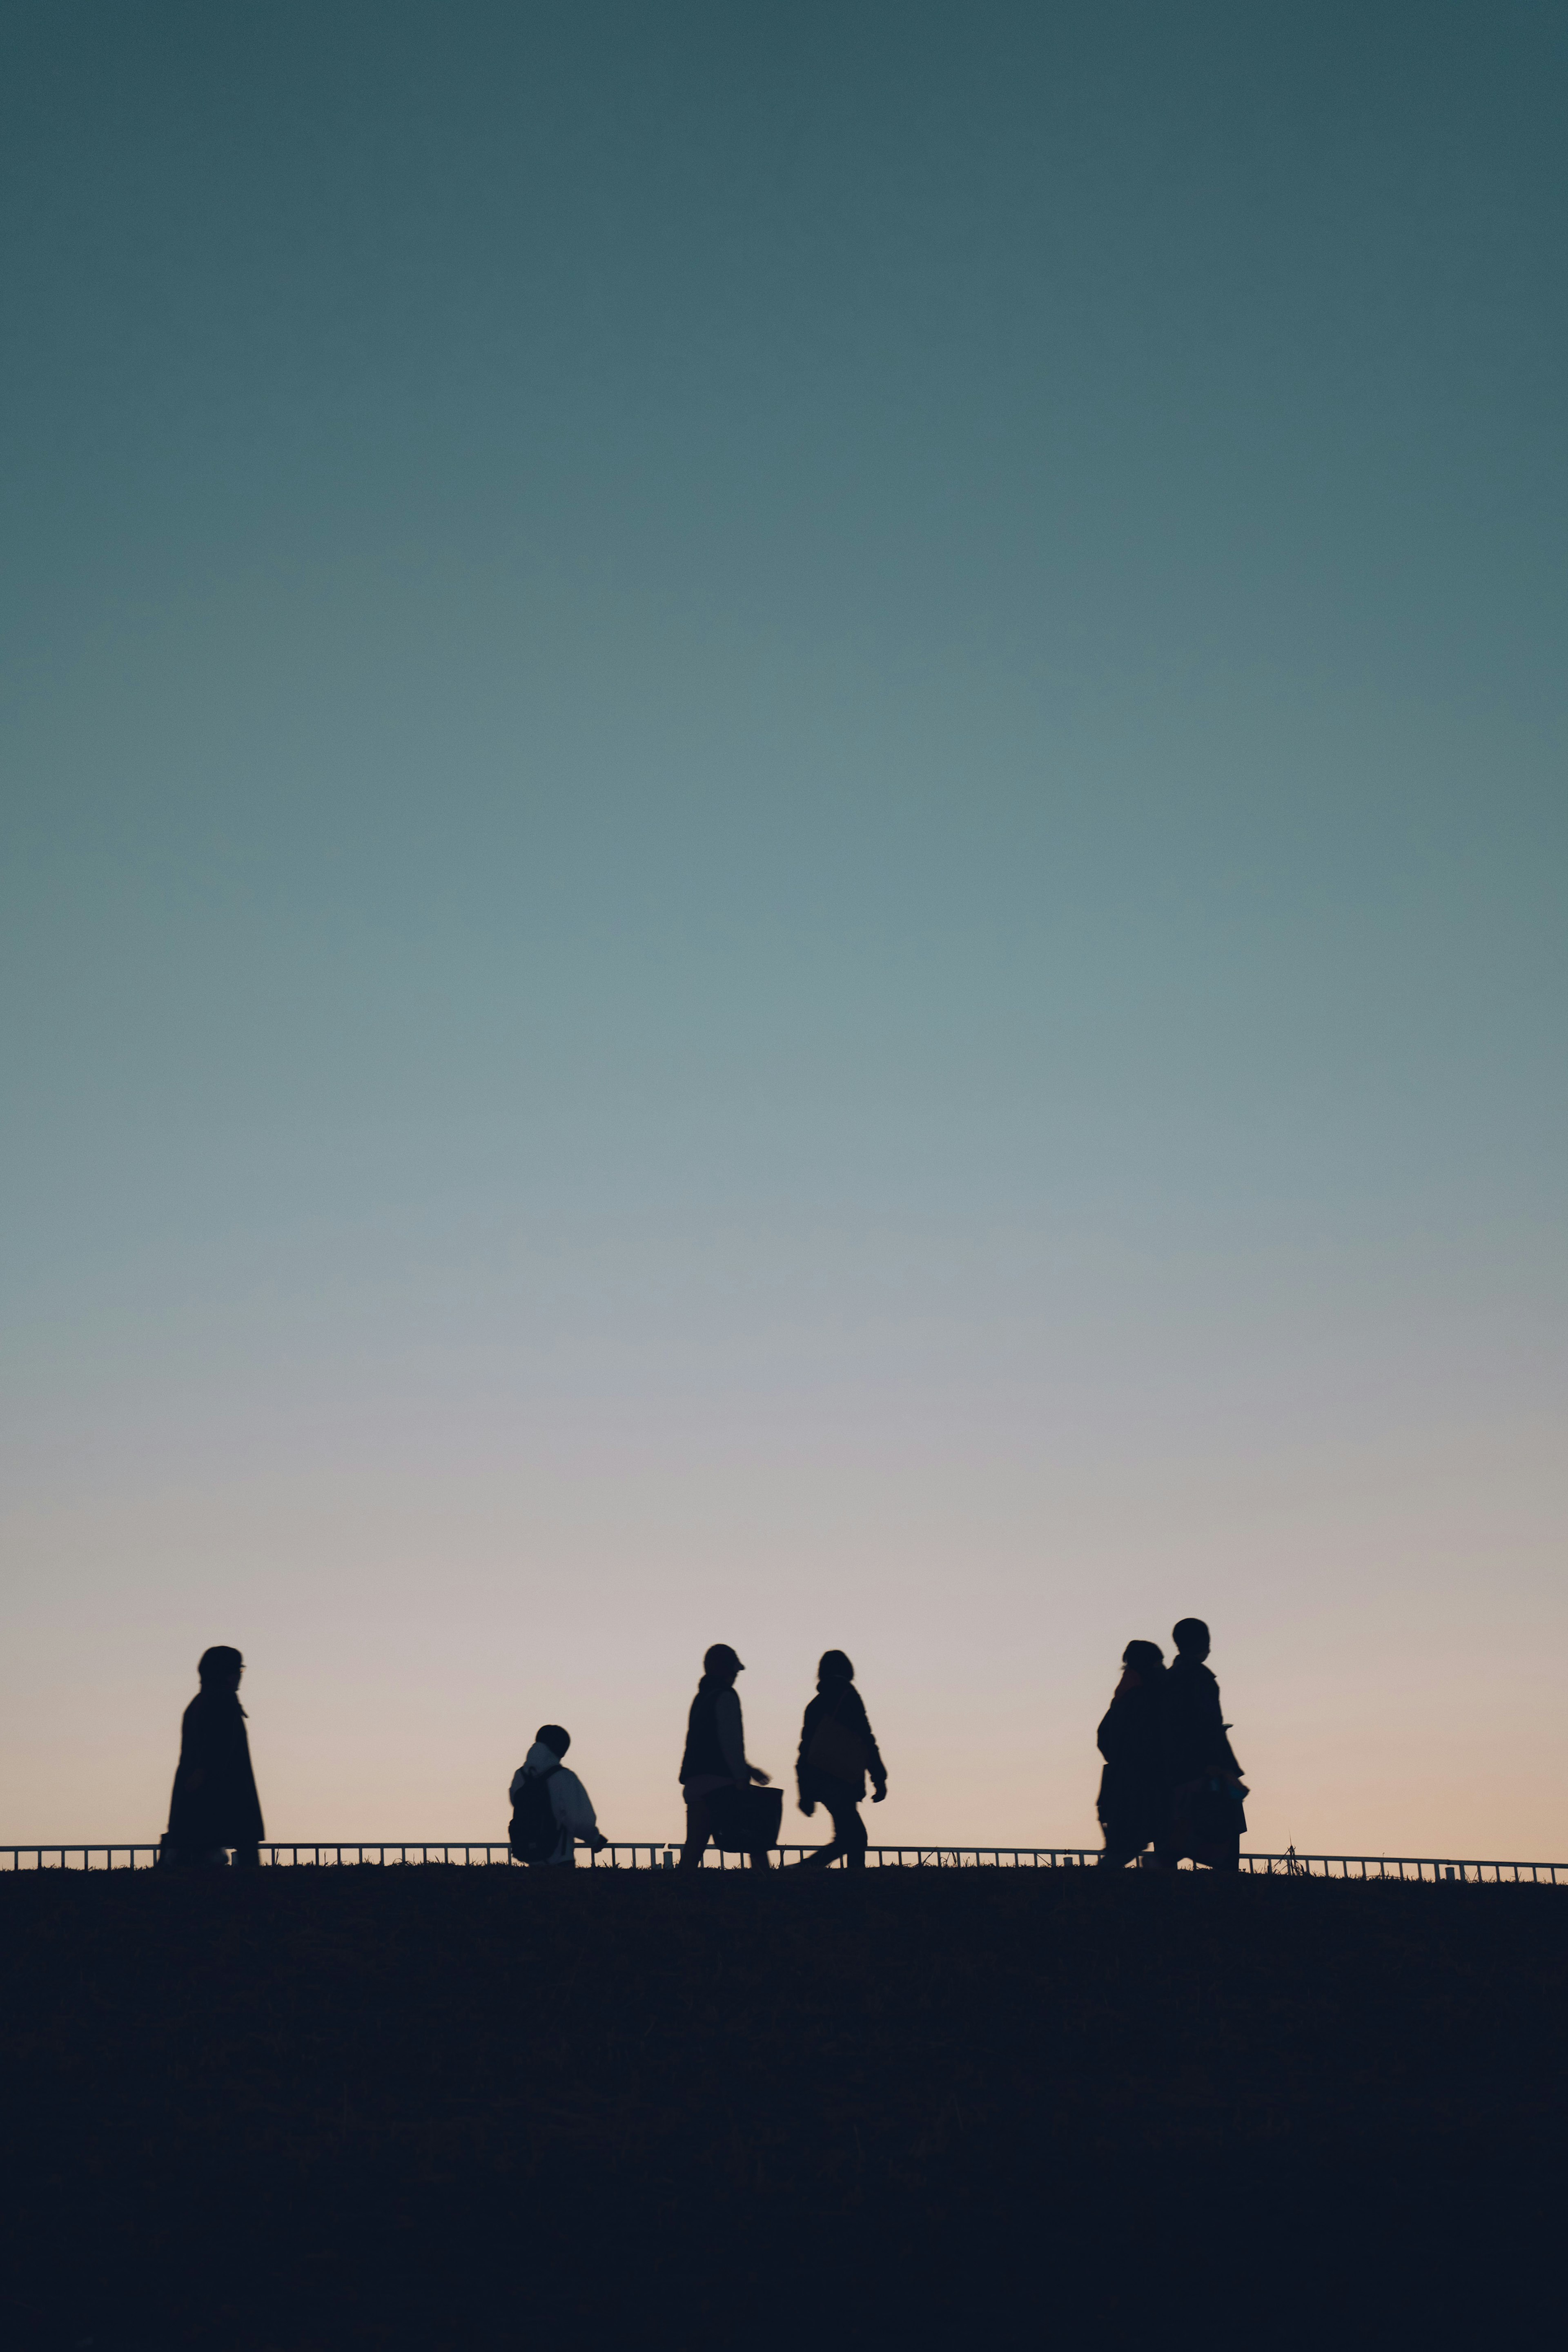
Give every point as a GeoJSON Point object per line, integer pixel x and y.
{"type": "Point", "coordinates": [662, 1855]}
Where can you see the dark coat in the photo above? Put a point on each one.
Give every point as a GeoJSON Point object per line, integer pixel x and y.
{"type": "Point", "coordinates": [841, 1701]}
{"type": "Point", "coordinates": [214, 1802]}
{"type": "Point", "coordinates": [702, 1755]}
{"type": "Point", "coordinates": [1132, 1788]}
{"type": "Point", "coordinates": [1192, 1729]}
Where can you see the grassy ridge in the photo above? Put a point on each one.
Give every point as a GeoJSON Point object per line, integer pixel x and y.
{"type": "Point", "coordinates": [442, 2106]}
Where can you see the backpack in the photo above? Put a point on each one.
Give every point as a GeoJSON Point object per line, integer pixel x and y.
{"type": "Point", "coordinates": [535, 1831]}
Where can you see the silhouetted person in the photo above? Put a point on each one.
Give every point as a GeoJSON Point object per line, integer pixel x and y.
{"type": "Point", "coordinates": [1201, 1771]}
{"type": "Point", "coordinates": [215, 1805]}
{"type": "Point", "coordinates": [838, 1748]}
{"type": "Point", "coordinates": [553, 1814]}
{"type": "Point", "coordinates": [1135, 1806]}
{"type": "Point", "coordinates": [714, 1757]}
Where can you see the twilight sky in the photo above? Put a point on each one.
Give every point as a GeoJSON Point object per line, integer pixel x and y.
{"type": "Point", "coordinates": [784, 851]}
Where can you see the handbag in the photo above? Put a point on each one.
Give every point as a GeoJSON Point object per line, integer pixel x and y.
{"type": "Point", "coordinates": [836, 1751]}
{"type": "Point", "coordinates": [745, 1821]}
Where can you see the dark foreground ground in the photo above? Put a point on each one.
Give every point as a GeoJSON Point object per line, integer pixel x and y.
{"type": "Point", "coordinates": [445, 2107]}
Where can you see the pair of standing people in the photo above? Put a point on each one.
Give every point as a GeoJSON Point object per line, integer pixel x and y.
{"type": "Point", "coordinates": [1171, 1779]}
{"type": "Point", "coordinates": [729, 1799]}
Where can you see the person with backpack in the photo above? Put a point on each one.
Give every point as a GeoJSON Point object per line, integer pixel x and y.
{"type": "Point", "coordinates": [1133, 1804]}
{"type": "Point", "coordinates": [838, 1748]}
{"type": "Point", "coordinates": [553, 1813]}
{"type": "Point", "coordinates": [716, 1782]}
{"type": "Point", "coordinates": [1203, 1779]}
{"type": "Point", "coordinates": [215, 1806]}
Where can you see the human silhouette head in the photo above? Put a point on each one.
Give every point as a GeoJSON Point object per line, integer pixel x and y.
{"type": "Point", "coordinates": [833, 1666]}
{"type": "Point", "coordinates": [551, 1735]}
{"type": "Point", "coordinates": [1191, 1638]}
{"type": "Point", "coordinates": [220, 1669]}
{"type": "Point", "coordinates": [1143, 1657]}
{"type": "Point", "coordinates": [722, 1663]}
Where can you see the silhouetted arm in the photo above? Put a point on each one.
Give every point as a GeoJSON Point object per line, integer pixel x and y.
{"type": "Point", "coordinates": [1222, 1756]}
{"type": "Point", "coordinates": [731, 1734]}
{"type": "Point", "coordinates": [196, 1742]}
{"type": "Point", "coordinates": [1111, 1738]}
{"type": "Point", "coordinates": [876, 1770]}
{"type": "Point", "coordinates": [808, 1731]}
{"type": "Point", "coordinates": [573, 1809]}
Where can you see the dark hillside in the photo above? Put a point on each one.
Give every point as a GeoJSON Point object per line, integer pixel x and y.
{"type": "Point", "coordinates": [435, 2108]}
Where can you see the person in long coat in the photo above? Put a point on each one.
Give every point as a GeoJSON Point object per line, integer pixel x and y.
{"type": "Point", "coordinates": [1133, 1804]}
{"type": "Point", "coordinates": [838, 1750]}
{"type": "Point", "coordinates": [1207, 1816]}
{"type": "Point", "coordinates": [215, 1805]}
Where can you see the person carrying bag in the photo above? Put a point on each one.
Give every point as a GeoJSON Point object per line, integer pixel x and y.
{"type": "Point", "coordinates": [728, 1799]}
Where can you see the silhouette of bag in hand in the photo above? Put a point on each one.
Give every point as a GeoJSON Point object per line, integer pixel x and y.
{"type": "Point", "coordinates": [744, 1820]}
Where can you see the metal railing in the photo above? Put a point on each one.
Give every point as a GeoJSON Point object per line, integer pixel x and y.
{"type": "Point", "coordinates": [662, 1855]}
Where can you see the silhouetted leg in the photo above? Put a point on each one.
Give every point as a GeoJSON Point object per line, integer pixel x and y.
{"type": "Point", "coordinates": [247, 1857]}
{"type": "Point", "coordinates": [1174, 1837]}
{"type": "Point", "coordinates": [699, 1829]}
{"type": "Point", "coordinates": [850, 1834]}
{"type": "Point", "coordinates": [849, 1837]}
{"type": "Point", "coordinates": [823, 1854]}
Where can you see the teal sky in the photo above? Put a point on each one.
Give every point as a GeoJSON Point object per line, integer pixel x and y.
{"type": "Point", "coordinates": [784, 850]}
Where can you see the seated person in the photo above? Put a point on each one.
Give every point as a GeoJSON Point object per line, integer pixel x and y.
{"type": "Point", "coordinates": [553, 1814]}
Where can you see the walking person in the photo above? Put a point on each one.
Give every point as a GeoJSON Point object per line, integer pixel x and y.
{"type": "Point", "coordinates": [214, 1807]}
{"type": "Point", "coordinates": [553, 1813]}
{"type": "Point", "coordinates": [716, 1782]}
{"type": "Point", "coordinates": [838, 1750]}
{"type": "Point", "coordinates": [1202, 1775]}
{"type": "Point", "coordinates": [1132, 1804]}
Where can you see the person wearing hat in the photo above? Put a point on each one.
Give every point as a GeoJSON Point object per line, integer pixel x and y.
{"type": "Point", "coordinates": [215, 1805]}
{"type": "Point", "coordinates": [714, 1757]}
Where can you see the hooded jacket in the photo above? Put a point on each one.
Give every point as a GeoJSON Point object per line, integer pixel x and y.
{"type": "Point", "coordinates": [837, 1698]}
{"type": "Point", "coordinates": [568, 1799]}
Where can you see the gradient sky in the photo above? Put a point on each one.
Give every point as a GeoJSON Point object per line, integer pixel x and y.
{"type": "Point", "coordinates": [784, 853]}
